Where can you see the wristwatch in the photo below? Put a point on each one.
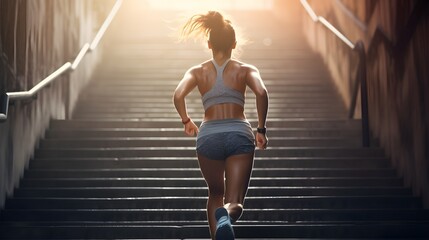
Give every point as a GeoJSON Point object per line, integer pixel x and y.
{"type": "Point", "coordinates": [261, 130]}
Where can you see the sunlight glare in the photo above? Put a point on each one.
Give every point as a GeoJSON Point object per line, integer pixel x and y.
{"type": "Point", "coordinates": [206, 4]}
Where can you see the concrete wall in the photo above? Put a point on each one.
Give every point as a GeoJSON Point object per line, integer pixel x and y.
{"type": "Point", "coordinates": [37, 37]}
{"type": "Point", "coordinates": [397, 85]}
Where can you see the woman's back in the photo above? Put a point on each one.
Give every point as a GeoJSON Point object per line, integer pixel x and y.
{"type": "Point", "coordinates": [222, 86]}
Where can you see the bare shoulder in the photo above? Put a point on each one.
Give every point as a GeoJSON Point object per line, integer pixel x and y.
{"type": "Point", "coordinates": [248, 68]}
{"type": "Point", "coordinates": [194, 69]}
{"type": "Point", "coordinates": [197, 70]}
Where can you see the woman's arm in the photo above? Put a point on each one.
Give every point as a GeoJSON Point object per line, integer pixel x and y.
{"type": "Point", "coordinates": [186, 85]}
{"type": "Point", "coordinates": [254, 81]}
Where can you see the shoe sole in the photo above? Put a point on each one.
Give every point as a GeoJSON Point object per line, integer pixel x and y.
{"type": "Point", "coordinates": [224, 232]}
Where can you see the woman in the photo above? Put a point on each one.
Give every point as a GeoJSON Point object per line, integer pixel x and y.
{"type": "Point", "coordinates": [225, 140]}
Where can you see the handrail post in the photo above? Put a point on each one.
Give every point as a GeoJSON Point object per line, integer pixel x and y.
{"type": "Point", "coordinates": [4, 106]}
{"type": "Point", "coordinates": [66, 88]}
{"type": "Point", "coordinates": [364, 94]}
{"type": "Point", "coordinates": [356, 83]}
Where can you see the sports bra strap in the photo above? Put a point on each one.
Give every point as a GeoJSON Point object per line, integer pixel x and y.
{"type": "Point", "coordinates": [222, 67]}
{"type": "Point", "coordinates": [220, 93]}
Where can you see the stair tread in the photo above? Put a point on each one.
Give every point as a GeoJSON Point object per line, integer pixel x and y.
{"type": "Point", "coordinates": [255, 231]}
{"type": "Point", "coordinates": [122, 168]}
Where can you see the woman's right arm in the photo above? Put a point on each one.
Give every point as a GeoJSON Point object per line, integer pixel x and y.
{"type": "Point", "coordinates": [186, 85]}
{"type": "Point", "coordinates": [254, 81]}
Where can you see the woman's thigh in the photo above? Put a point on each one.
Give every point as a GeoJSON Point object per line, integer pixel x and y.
{"type": "Point", "coordinates": [213, 172]}
{"type": "Point", "coordinates": [238, 170]}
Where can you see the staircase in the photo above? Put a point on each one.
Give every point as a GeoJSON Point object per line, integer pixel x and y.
{"type": "Point", "coordinates": [122, 168]}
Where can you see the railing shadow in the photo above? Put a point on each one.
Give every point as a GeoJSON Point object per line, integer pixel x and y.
{"type": "Point", "coordinates": [368, 56]}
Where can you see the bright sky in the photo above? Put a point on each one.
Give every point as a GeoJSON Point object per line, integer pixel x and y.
{"type": "Point", "coordinates": [217, 4]}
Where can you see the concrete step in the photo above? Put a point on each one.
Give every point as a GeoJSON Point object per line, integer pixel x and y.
{"type": "Point", "coordinates": [74, 143]}
{"type": "Point", "coordinates": [168, 94]}
{"type": "Point", "coordinates": [138, 80]}
{"type": "Point", "coordinates": [184, 62]}
{"type": "Point", "coordinates": [130, 192]}
{"type": "Point", "coordinates": [173, 216]}
{"type": "Point", "coordinates": [166, 89]}
{"type": "Point", "coordinates": [179, 132]}
{"type": "Point", "coordinates": [197, 99]}
{"type": "Point", "coordinates": [153, 123]}
{"type": "Point", "coordinates": [195, 172]}
{"type": "Point", "coordinates": [169, 88]}
{"type": "Point", "coordinates": [202, 222]}
{"type": "Point", "coordinates": [370, 229]}
{"type": "Point", "coordinates": [183, 204]}
{"type": "Point", "coordinates": [199, 110]}
{"type": "Point", "coordinates": [169, 109]}
{"type": "Point", "coordinates": [198, 115]}
{"type": "Point", "coordinates": [336, 115]}
{"type": "Point", "coordinates": [191, 162]}
{"type": "Point", "coordinates": [199, 182]}
{"type": "Point", "coordinates": [190, 151]}
{"type": "Point", "coordinates": [196, 106]}
{"type": "Point", "coordinates": [268, 73]}
{"type": "Point", "coordinates": [194, 99]}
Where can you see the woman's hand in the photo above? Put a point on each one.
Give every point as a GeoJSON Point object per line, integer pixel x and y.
{"type": "Point", "coordinates": [190, 128]}
{"type": "Point", "coordinates": [261, 141]}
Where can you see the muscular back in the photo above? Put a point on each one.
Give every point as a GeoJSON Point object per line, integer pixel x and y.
{"type": "Point", "coordinates": [234, 77]}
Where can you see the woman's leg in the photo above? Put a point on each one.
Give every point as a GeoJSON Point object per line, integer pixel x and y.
{"type": "Point", "coordinates": [213, 173]}
{"type": "Point", "coordinates": [237, 176]}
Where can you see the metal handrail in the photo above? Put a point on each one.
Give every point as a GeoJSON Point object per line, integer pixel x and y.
{"type": "Point", "coordinates": [360, 75]}
{"type": "Point", "coordinates": [66, 67]}
{"type": "Point", "coordinates": [326, 23]}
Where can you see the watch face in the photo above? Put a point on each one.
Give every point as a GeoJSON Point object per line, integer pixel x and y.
{"type": "Point", "coordinates": [261, 130]}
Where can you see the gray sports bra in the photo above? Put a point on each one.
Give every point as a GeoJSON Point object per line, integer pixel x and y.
{"type": "Point", "coordinates": [220, 93]}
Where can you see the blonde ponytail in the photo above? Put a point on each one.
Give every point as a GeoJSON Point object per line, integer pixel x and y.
{"type": "Point", "coordinates": [212, 25]}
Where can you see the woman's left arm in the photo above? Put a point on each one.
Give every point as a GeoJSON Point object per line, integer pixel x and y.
{"type": "Point", "coordinates": [254, 81]}
{"type": "Point", "coordinates": [186, 85]}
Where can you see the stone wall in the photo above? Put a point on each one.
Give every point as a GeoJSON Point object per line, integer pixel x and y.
{"type": "Point", "coordinates": [37, 37]}
{"type": "Point", "coordinates": [397, 83]}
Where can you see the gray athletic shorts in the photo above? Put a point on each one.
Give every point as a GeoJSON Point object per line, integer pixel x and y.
{"type": "Point", "coordinates": [220, 139]}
